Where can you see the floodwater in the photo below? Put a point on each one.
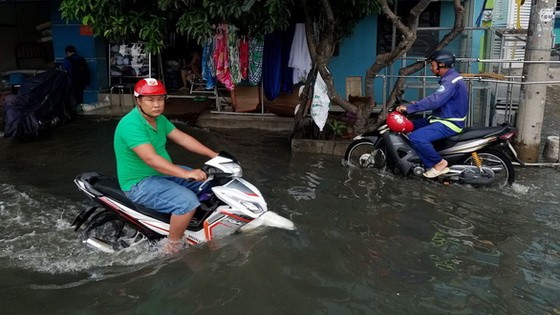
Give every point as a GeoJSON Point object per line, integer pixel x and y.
{"type": "Point", "coordinates": [366, 242]}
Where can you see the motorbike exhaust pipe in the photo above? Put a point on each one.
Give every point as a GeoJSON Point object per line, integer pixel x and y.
{"type": "Point", "coordinates": [99, 245]}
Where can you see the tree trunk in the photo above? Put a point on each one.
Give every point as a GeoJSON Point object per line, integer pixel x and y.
{"type": "Point", "coordinates": [321, 53]}
{"type": "Point", "coordinates": [408, 34]}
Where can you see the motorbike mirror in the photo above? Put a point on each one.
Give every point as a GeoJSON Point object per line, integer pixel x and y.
{"type": "Point", "coordinates": [228, 156]}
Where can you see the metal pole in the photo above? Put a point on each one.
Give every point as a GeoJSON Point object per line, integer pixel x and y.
{"type": "Point", "coordinates": [533, 97]}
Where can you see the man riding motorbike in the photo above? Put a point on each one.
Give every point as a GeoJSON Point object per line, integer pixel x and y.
{"type": "Point", "coordinates": [449, 105]}
{"type": "Point", "coordinates": [145, 171]}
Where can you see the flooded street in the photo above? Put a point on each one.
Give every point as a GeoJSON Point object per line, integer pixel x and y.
{"type": "Point", "coordinates": [366, 242]}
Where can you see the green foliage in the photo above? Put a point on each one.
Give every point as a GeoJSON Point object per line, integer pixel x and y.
{"type": "Point", "coordinates": [347, 14]}
{"type": "Point", "coordinates": [337, 127]}
{"type": "Point", "coordinates": [150, 21]}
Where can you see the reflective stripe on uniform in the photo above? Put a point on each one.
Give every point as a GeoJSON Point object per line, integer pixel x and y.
{"type": "Point", "coordinates": [456, 79]}
{"type": "Point", "coordinates": [448, 122]}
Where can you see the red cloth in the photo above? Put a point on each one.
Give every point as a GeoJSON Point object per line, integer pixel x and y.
{"type": "Point", "coordinates": [244, 57]}
{"type": "Point", "coordinates": [220, 56]}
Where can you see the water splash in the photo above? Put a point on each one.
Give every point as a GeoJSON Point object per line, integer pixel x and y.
{"type": "Point", "coordinates": [37, 236]}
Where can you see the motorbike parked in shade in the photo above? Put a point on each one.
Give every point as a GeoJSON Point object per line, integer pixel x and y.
{"type": "Point", "coordinates": [229, 204]}
{"type": "Point", "coordinates": [479, 156]}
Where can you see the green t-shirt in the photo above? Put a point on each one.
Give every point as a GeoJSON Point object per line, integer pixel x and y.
{"type": "Point", "coordinates": [132, 131]}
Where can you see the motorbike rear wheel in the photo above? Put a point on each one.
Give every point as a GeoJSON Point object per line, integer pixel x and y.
{"type": "Point", "coordinates": [363, 154]}
{"type": "Point", "coordinates": [499, 163]}
{"type": "Point", "coordinates": [111, 230]}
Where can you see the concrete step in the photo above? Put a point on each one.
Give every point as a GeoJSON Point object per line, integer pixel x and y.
{"type": "Point", "coordinates": [231, 120]}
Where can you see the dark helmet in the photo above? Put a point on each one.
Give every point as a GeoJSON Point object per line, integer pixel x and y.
{"type": "Point", "coordinates": [443, 56]}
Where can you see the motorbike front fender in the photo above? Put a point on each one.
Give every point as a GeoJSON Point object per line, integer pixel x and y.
{"type": "Point", "coordinates": [271, 219]}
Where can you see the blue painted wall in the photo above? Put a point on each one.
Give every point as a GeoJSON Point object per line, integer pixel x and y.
{"type": "Point", "coordinates": [92, 48]}
{"type": "Point", "coordinates": [356, 54]}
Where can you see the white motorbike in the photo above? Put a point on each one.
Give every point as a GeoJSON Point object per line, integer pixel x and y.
{"type": "Point", "coordinates": [229, 204]}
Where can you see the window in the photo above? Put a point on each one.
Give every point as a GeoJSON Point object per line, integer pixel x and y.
{"type": "Point", "coordinates": [424, 41]}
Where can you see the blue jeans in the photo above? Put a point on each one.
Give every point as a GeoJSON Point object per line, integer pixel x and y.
{"type": "Point", "coordinates": [422, 137]}
{"type": "Point", "coordinates": [166, 194]}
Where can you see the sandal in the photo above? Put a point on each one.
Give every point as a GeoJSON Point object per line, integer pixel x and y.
{"type": "Point", "coordinates": [432, 172]}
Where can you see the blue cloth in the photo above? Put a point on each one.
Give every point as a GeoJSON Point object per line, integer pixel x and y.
{"type": "Point", "coordinates": [207, 66]}
{"type": "Point", "coordinates": [287, 73]}
{"type": "Point", "coordinates": [271, 74]}
{"type": "Point", "coordinates": [166, 194]}
{"type": "Point", "coordinates": [450, 100]}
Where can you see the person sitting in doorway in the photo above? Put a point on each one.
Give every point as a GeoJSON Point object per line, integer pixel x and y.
{"type": "Point", "coordinates": [191, 72]}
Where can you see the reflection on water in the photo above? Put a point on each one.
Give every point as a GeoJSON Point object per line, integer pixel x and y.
{"type": "Point", "coordinates": [366, 241]}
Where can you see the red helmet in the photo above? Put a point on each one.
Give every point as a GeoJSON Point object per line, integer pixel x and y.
{"type": "Point", "coordinates": [149, 86]}
{"type": "Point", "coordinates": [397, 122]}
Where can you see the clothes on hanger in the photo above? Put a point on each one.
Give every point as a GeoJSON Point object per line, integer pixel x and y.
{"type": "Point", "coordinates": [300, 59]}
{"type": "Point", "coordinates": [272, 60]}
{"type": "Point", "coordinates": [233, 54]}
{"type": "Point", "coordinates": [256, 49]}
{"type": "Point", "coordinates": [244, 57]}
{"type": "Point", "coordinates": [280, 59]}
{"type": "Point", "coordinates": [286, 74]}
{"type": "Point", "coordinates": [221, 59]}
{"type": "Point", "coordinates": [208, 69]}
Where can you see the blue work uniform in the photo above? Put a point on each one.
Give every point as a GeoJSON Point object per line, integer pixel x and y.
{"type": "Point", "coordinates": [449, 105]}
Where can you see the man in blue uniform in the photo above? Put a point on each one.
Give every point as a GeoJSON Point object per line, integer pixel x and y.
{"type": "Point", "coordinates": [449, 105]}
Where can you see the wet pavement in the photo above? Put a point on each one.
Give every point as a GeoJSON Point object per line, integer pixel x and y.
{"type": "Point", "coordinates": [366, 241]}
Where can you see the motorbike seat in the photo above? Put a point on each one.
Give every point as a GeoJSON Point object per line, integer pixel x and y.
{"type": "Point", "coordinates": [476, 132]}
{"type": "Point", "coordinates": [110, 187]}
{"type": "Point", "coordinates": [469, 133]}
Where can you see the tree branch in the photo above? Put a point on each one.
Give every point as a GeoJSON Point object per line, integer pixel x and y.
{"type": "Point", "coordinates": [458, 27]}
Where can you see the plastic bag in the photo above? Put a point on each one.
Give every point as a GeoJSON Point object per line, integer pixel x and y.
{"type": "Point", "coordinates": [320, 104]}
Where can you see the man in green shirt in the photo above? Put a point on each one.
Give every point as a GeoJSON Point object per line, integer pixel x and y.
{"type": "Point", "coordinates": [145, 170]}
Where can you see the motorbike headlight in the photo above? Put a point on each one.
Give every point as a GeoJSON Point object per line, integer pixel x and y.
{"type": "Point", "coordinates": [251, 206]}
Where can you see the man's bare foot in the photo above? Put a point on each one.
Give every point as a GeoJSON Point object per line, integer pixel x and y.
{"type": "Point", "coordinates": [440, 165]}
{"type": "Point", "coordinates": [173, 247]}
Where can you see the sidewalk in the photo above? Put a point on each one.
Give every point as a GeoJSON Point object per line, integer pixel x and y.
{"type": "Point", "coordinates": [200, 113]}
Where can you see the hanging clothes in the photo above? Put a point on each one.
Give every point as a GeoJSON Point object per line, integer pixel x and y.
{"type": "Point", "coordinates": [256, 49]}
{"type": "Point", "coordinates": [233, 54]}
{"type": "Point", "coordinates": [208, 68]}
{"type": "Point", "coordinates": [300, 59]}
{"type": "Point", "coordinates": [244, 57]}
{"type": "Point", "coordinates": [286, 74]}
{"type": "Point", "coordinates": [271, 72]}
{"type": "Point", "coordinates": [221, 60]}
